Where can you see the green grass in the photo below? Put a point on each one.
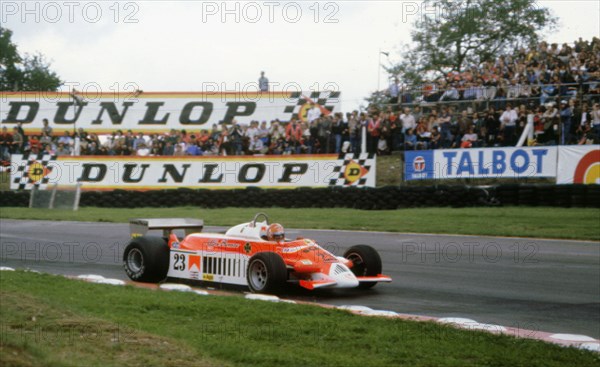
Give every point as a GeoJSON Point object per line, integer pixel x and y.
{"type": "Point", "coordinates": [52, 321]}
{"type": "Point", "coordinates": [4, 181]}
{"type": "Point", "coordinates": [571, 223]}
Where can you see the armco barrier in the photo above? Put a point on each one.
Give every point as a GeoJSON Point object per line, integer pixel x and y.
{"type": "Point", "coordinates": [389, 197]}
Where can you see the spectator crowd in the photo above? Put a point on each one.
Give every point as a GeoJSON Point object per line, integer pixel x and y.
{"type": "Point", "coordinates": [559, 88]}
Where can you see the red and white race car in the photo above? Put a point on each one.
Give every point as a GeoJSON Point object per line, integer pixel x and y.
{"type": "Point", "coordinates": [254, 254]}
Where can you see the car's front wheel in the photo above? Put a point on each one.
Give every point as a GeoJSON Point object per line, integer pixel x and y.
{"type": "Point", "coordinates": [146, 259]}
{"type": "Point", "coordinates": [365, 262]}
{"type": "Point", "coordinates": [266, 273]}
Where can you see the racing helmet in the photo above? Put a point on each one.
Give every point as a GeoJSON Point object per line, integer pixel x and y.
{"type": "Point", "coordinates": [275, 232]}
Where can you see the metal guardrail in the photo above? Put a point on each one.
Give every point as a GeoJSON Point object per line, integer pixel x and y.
{"type": "Point", "coordinates": [416, 97]}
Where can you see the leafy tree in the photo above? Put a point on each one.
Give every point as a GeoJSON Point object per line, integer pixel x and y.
{"type": "Point", "coordinates": [451, 35]}
{"type": "Point", "coordinates": [9, 59]}
{"type": "Point", "coordinates": [28, 73]}
{"type": "Point", "coordinates": [37, 75]}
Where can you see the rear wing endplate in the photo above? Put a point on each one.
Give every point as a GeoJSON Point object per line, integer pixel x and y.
{"type": "Point", "coordinates": [139, 227]}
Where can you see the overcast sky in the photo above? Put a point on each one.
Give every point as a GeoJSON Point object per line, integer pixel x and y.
{"type": "Point", "coordinates": [197, 45]}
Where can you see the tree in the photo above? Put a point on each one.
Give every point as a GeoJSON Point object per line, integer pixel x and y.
{"type": "Point", "coordinates": [29, 73]}
{"type": "Point", "coordinates": [9, 59]}
{"type": "Point", "coordinates": [37, 75]}
{"type": "Point", "coordinates": [451, 35]}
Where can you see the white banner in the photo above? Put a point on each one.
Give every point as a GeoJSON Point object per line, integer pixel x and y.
{"type": "Point", "coordinates": [155, 111]}
{"type": "Point", "coordinates": [481, 163]}
{"type": "Point", "coordinates": [156, 173]}
{"type": "Point", "coordinates": [579, 164]}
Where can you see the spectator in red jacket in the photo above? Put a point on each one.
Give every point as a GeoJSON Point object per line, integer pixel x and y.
{"type": "Point", "coordinates": [6, 141]}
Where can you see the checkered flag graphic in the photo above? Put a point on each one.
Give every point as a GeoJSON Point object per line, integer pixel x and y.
{"type": "Point", "coordinates": [321, 98]}
{"type": "Point", "coordinates": [22, 177]}
{"type": "Point", "coordinates": [364, 160]}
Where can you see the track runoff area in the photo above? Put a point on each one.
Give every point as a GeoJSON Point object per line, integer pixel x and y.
{"type": "Point", "coordinates": [502, 285]}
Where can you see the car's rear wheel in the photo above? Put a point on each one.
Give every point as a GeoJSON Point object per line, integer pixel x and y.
{"type": "Point", "coordinates": [266, 273]}
{"type": "Point", "coordinates": [146, 259]}
{"type": "Point", "coordinates": [365, 262]}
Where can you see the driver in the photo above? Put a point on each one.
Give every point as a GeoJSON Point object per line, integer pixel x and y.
{"type": "Point", "coordinates": [275, 232]}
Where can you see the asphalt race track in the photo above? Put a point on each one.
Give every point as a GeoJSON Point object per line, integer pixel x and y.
{"type": "Point", "coordinates": [545, 285]}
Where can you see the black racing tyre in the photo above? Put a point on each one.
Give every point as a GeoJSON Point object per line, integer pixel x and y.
{"type": "Point", "coordinates": [146, 259]}
{"type": "Point", "coordinates": [366, 262]}
{"type": "Point", "coordinates": [266, 273]}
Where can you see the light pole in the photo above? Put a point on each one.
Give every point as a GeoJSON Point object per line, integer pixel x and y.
{"type": "Point", "coordinates": [387, 54]}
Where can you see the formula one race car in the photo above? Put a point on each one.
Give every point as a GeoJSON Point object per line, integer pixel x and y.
{"type": "Point", "coordinates": [254, 254]}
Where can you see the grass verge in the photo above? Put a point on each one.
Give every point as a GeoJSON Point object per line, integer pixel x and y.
{"type": "Point", "coordinates": [4, 181]}
{"type": "Point", "coordinates": [50, 320]}
{"type": "Point", "coordinates": [563, 223]}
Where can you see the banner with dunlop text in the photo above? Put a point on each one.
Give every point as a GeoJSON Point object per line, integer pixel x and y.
{"type": "Point", "coordinates": [157, 173]}
{"type": "Point", "coordinates": [156, 112]}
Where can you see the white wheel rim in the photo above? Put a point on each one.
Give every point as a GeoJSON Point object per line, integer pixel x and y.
{"type": "Point", "coordinates": [135, 260]}
{"type": "Point", "coordinates": [258, 275]}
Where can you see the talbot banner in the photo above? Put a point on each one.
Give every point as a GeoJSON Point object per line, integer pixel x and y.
{"type": "Point", "coordinates": [155, 111]}
{"type": "Point", "coordinates": [481, 163]}
{"type": "Point", "coordinates": [157, 173]}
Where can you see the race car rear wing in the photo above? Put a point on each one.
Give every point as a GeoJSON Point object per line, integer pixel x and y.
{"type": "Point", "coordinates": [139, 227]}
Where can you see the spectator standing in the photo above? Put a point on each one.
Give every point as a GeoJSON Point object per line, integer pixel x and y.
{"type": "Point", "coordinates": [550, 119]}
{"type": "Point", "coordinates": [129, 138]}
{"type": "Point", "coordinates": [307, 139]}
{"type": "Point", "coordinates": [383, 146]}
{"type": "Point", "coordinates": [595, 116]}
{"type": "Point", "coordinates": [445, 125]}
{"type": "Point", "coordinates": [353, 131]}
{"type": "Point", "coordinates": [566, 117]}
{"type": "Point", "coordinates": [394, 92]}
{"type": "Point", "coordinates": [252, 130]}
{"type": "Point", "coordinates": [18, 141]}
{"type": "Point", "coordinates": [337, 128]}
{"type": "Point", "coordinates": [408, 120]}
{"type": "Point", "coordinates": [235, 137]}
{"type": "Point", "coordinates": [224, 141]}
{"type": "Point", "coordinates": [508, 124]}
{"type": "Point", "coordinates": [263, 133]}
{"type": "Point", "coordinates": [215, 133]}
{"type": "Point", "coordinates": [263, 82]}
{"type": "Point", "coordinates": [373, 132]}
{"type": "Point", "coordinates": [434, 142]}
{"type": "Point", "coordinates": [313, 113]}
{"type": "Point", "coordinates": [23, 135]}
{"type": "Point", "coordinates": [6, 140]}
{"type": "Point", "coordinates": [324, 133]}
{"type": "Point", "coordinates": [293, 131]}
{"type": "Point", "coordinates": [46, 128]}
{"type": "Point", "coordinates": [396, 133]}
